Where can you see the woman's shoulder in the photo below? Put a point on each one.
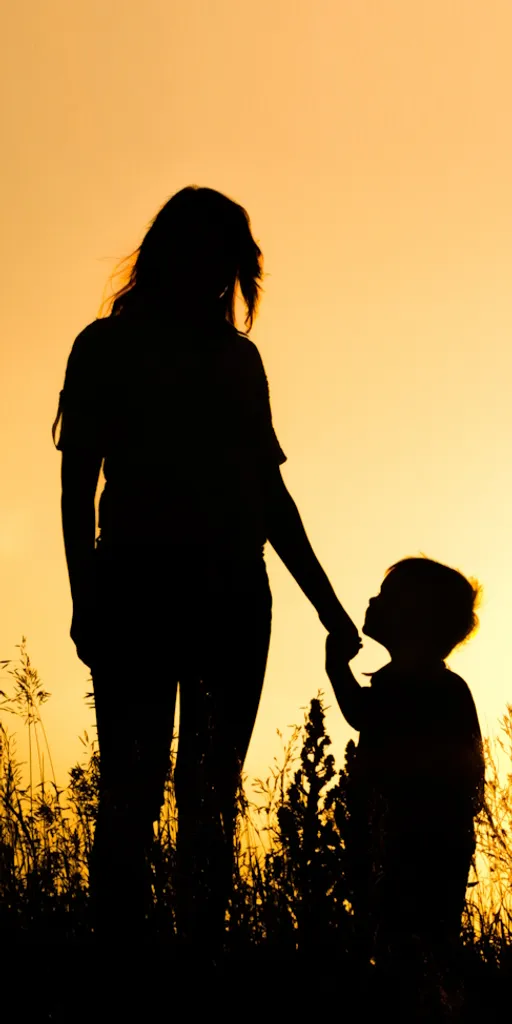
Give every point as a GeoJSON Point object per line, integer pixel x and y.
{"type": "Point", "coordinates": [94, 334]}
{"type": "Point", "coordinates": [96, 328]}
{"type": "Point", "coordinates": [243, 355]}
{"type": "Point", "coordinates": [92, 350]}
{"type": "Point", "coordinates": [242, 345]}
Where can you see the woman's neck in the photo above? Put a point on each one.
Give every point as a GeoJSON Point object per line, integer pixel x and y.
{"type": "Point", "coordinates": [192, 315]}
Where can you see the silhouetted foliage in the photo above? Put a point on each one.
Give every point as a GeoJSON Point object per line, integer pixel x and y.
{"type": "Point", "coordinates": [292, 893]}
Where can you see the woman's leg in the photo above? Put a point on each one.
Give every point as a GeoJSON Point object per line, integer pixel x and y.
{"type": "Point", "coordinates": [134, 702]}
{"type": "Point", "coordinates": [218, 709]}
{"type": "Point", "coordinates": [134, 744]}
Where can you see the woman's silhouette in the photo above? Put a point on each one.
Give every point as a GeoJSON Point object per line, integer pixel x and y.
{"type": "Point", "coordinates": [173, 401]}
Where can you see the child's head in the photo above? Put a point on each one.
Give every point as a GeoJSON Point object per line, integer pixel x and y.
{"type": "Point", "coordinates": [422, 605]}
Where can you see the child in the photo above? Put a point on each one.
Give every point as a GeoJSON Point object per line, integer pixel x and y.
{"type": "Point", "coordinates": [419, 770]}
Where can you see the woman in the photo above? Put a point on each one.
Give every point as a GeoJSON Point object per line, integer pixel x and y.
{"type": "Point", "coordinates": [173, 401]}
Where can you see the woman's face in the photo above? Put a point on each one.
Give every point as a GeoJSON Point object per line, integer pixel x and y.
{"type": "Point", "coordinates": [197, 267]}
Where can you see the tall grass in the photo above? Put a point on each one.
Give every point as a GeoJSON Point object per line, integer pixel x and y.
{"type": "Point", "coordinates": [292, 875]}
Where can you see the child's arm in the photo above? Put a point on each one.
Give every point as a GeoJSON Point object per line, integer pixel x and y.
{"type": "Point", "coordinates": [348, 692]}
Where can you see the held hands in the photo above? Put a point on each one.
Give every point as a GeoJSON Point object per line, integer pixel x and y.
{"type": "Point", "coordinates": [338, 653]}
{"type": "Point", "coordinates": [343, 635]}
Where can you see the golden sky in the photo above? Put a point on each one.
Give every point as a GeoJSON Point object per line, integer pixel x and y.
{"type": "Point", "coordinates": [370, 142]}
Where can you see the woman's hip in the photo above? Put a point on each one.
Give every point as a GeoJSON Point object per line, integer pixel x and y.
{"type": "Point", "coordinates": [181, 600]}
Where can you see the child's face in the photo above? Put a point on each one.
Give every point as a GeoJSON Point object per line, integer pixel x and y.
{"type": "Point", "coordinates": [394, 616]}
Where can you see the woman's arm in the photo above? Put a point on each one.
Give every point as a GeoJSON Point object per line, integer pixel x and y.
{"type": "Point", "coordinates": [80, 473]}
{"type": "Point", "coordinates": [348, 692]}
{"type": "Point", "coordinates": [79, 476]}
{"type": "Point", "coordinates": [288, 537]}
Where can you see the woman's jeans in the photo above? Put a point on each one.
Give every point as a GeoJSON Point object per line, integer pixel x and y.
{"type": "Point", "coordinates": [200, 619]}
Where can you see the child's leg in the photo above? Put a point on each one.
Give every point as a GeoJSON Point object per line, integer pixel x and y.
{"type": "Point", "coordinates": [419, 911]}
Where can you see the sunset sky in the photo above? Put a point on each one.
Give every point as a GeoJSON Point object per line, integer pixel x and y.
{"type": "Point", "coordinates": [371, 143]}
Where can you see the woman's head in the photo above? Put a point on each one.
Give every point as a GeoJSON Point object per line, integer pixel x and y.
{"type": "Point", "coordinates": [198, 249]}
{"type": "Point", "coordinates": [423, 604]}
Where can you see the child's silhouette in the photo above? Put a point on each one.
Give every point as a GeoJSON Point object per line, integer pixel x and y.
{"type": "Point", "coordinates": [419, 771]}
{"type": "Point", "coordinates": [173, 401]}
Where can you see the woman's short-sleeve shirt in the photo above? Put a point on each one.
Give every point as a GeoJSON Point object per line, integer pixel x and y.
{"type": "Point", "coordinates": [183, 424]}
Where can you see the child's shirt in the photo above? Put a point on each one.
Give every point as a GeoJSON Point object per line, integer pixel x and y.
{"type": "Point", "coordinates": [419, 758]}
{"type": "Point", "coordinates": [184, 426]}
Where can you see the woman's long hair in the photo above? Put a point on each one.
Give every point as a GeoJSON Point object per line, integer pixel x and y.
{"type": "Point", "coordinates": [199, 249]}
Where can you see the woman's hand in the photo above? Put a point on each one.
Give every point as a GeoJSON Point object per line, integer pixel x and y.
{"type": "Point", "coordinates": [340, 648]}
{"type": "Point", "coordinates": [344, 634]}
{"type": "Point", "coordinates": [84, 630]}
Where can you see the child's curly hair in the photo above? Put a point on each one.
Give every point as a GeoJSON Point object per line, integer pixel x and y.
{"type": "Point", "coordinates": [450, 599]}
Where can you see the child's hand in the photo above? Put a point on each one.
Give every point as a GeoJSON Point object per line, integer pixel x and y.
{"type": "Point", "coordinates": [338, 653]}
{"type": "Point", "coordinates": [340, 625]}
